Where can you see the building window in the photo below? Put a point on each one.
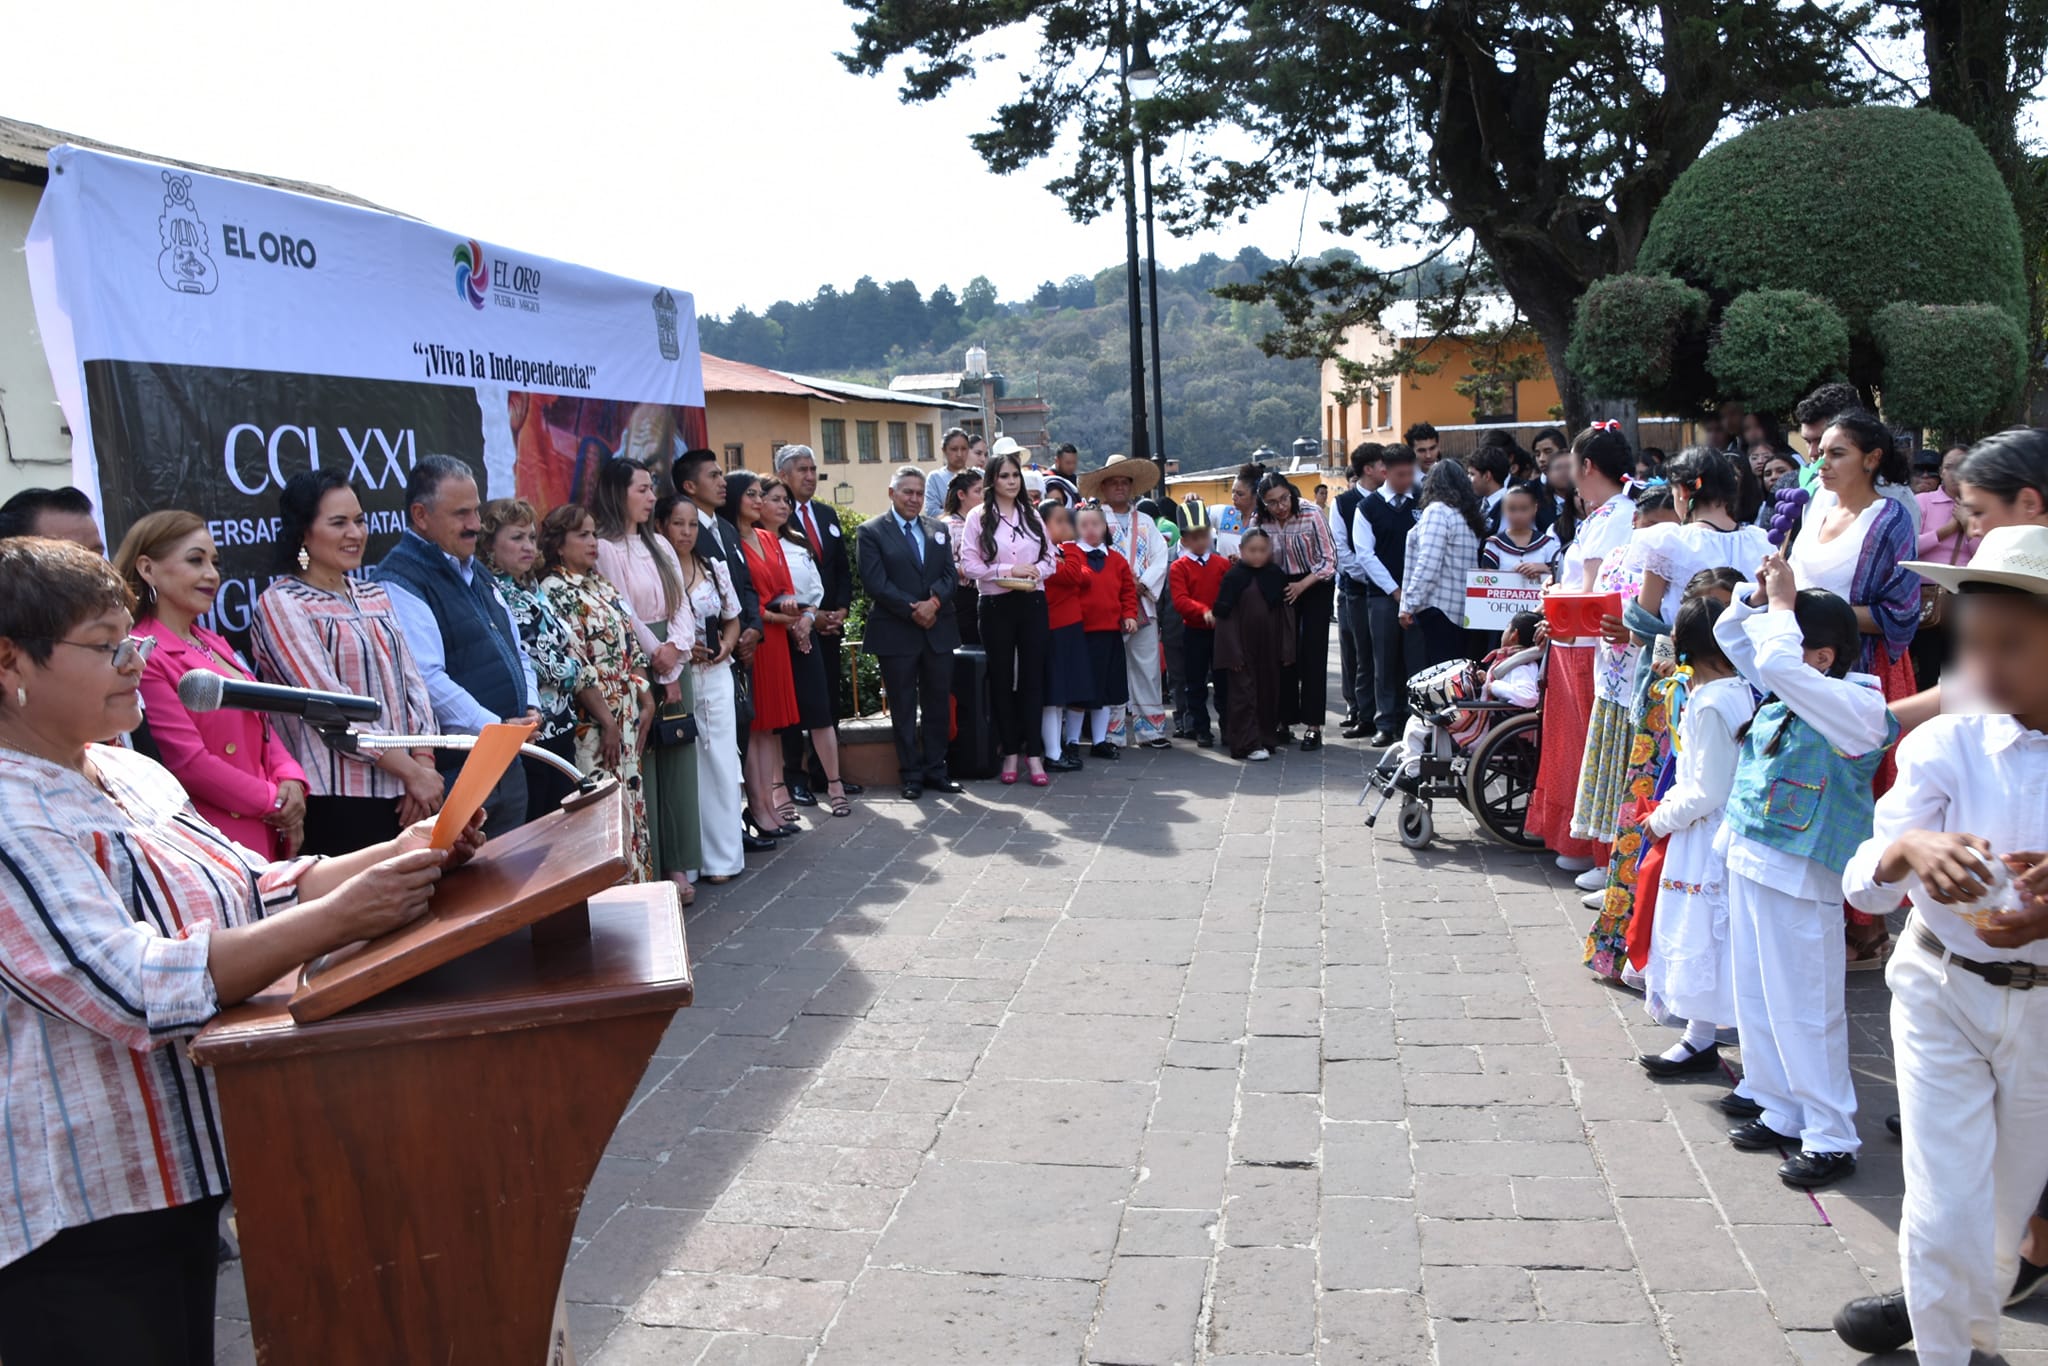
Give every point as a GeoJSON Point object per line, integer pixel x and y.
{"type": "Point", "coordinates": [864, 435]}
{"type": "Point", "coordinates": [1387, 405]}
{"type": "Point", "coordinates": [832, 434]}
{"type": "Point", "coordinates": [735, 456]}
{"type": "Point", "coordinates": [899, 442]}
{"type": "Point", "coordinates": [924, 442]}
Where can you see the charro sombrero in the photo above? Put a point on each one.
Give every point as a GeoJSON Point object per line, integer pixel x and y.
{"type": "Point", "coordinates": [2009, 556]}
{"type": "Point", "coordinates": [1143, 475]}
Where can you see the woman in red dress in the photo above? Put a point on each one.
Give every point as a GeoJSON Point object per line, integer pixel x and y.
{"type": "Point", "coordinates": [774, 682]}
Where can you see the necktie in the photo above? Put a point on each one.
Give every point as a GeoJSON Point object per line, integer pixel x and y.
{"type": "Point", "coordinates": [916, 541]}
{"type": "Point", "coordinates": [811, 531]}
{"type": "Point", "coordinates": [1097, 559]}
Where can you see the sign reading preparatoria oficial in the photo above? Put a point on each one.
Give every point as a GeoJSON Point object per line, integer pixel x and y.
{"type": "Point", "coordinates": [210, 338]}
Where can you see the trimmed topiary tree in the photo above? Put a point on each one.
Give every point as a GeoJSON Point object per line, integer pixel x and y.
{"type": "Point", "coordinates": [1951, 367]}
{"type": "Point", "coordinates": [1775, 345]}
{"type": "Point", "coordinates": [1858, 209]}
{"type": "Point", "coordinates": [1633, 334]}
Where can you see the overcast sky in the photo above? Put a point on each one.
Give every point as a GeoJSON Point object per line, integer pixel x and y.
{"type": "Point", "coordinates": [716, 144]}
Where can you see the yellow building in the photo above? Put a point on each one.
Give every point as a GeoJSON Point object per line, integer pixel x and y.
{"type": "Point", "coordinates": [860, 433]}
{"type": "Point", "coordinates": [1384, 412]}
{"type": "Point", "coordinates": [1212, 487]}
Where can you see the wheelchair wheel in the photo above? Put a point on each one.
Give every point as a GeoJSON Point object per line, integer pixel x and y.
{"type": "Point", "coordinates": [1418, 827]}
{"type": "Point", "coordinates": [1501, 776]}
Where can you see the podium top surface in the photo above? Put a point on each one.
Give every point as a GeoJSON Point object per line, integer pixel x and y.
{"type": "Point", "coordinates": [635, 961]}
{"type": "Point", "coordinates": [543, 867]}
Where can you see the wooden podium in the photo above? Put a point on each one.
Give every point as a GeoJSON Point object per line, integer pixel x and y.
{"type": "Point", "coordinates": [408, 1170]}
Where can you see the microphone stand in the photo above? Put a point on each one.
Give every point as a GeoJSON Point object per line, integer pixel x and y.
{"type": "Point", "coordinates": [341, 736]}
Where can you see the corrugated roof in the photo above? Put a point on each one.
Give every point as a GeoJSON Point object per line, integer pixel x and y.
{"type": "Point", "coordinates": [25, 155]}
{"type": "Point", "coordinates": [722, 376]}
{"type": "Point", "coordinates": [870, 394]}
{"type": "Point", "coordinates": [949, 379]}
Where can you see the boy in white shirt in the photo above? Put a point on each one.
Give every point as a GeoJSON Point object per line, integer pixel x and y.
{"type": "Point", "coordinates": [1961, 833]}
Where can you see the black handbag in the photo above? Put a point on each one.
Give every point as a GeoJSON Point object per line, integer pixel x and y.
{"type": "Point", "coordinates": [674, 725]}
{"type": "Point", "coordinates": [742, 699]}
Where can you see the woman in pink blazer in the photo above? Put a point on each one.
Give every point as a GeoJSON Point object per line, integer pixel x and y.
{"type": "Point", "coordinates": [232, 764]}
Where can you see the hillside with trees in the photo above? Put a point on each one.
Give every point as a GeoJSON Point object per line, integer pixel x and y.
{"type": "Point", "coordinates": [1068, 340]}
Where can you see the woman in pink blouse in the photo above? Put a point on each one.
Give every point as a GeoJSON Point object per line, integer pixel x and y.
{"type": "Point", "coordinates": [241, 777]}
{"type": "Point", "coordinates": [1004, 540]}
{"type": "Point", "coordinates": [126, 923]}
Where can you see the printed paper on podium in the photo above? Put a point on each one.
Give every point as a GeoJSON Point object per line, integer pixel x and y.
{"type": "Point", "coordinates": [497, 749]}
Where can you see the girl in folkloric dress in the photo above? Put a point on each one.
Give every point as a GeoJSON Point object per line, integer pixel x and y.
{"type": "Point", "coordinates": [608, 740]}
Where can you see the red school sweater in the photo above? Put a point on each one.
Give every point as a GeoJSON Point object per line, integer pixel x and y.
{"type": "Point", "coordinates": [1109, 595]}
{"type": "Point", "coordinates": [1195, 586]}
{"type": "Point", "coordinates": [1064, 588]}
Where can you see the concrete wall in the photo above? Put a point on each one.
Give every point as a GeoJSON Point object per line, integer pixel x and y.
{"type": "Point", "coordinates": [35, 446]}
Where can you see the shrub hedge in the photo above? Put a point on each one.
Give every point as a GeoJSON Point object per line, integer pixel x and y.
{"type": "Point", "coordinates": [1774, 346]}
{"type": "Point", "coordinates": [1951, 367]}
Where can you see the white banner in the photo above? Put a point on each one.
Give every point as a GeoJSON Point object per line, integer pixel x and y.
{"type": "Point", "coordinates": [1493, 599]}
{"type": "Point", "coordinates": [210, 337]}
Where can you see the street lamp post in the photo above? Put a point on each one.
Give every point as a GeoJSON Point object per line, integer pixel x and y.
{"type": "Point", "coordinates": [1141, 438]}
{"type": "Point", "coordinates": [1142, 80]}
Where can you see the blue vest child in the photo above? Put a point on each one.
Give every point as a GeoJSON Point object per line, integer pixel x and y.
{"type": "Point", "coordinates": [1789, 776]}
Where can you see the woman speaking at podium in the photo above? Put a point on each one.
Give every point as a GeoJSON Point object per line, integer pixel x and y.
{"type": "Point", "coordinates": [127, 922]}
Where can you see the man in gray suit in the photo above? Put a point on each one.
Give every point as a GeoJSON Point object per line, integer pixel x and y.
{"type": "Point", "coordinates": [907, 567]}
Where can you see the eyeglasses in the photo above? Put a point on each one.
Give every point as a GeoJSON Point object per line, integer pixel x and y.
{"type": "Point", "coordinates": [122, 654]}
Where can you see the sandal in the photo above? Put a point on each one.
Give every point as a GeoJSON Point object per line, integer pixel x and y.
{"type": "Point", "coordinates": [1870, 957]}
{"type": "Point", "coordinates": [684, 890]}
{"type": "Point", "coordinates": [784, 810]}
{"type": "Point", "coordinates": [835, 799]}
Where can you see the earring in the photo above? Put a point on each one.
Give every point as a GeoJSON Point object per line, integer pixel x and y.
{"type": "Point", "coordinates": [150, 589]}
{"type": "Point", "coordinates": [20, 696]}
{"type": "Point", "coordinates": [305, 560]}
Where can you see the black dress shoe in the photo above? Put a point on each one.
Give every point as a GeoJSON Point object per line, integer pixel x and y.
{"type": "Point", "coordinates": [755, 844]}
{"type": "Point", "coordinates": [1703, 1060]}
{"type": "Point", "coordinates": [943, 785]}
{"type": "Point", "coordinates": [1382, 738]}
{"type": "Point", "coordinates": [1063, 765]}
{"type": "Point", "coordinates": [1756, 1135]}
{"type": "Point", "coordinates": [1105, 750]}
{"type": "Point", "coordinates": [1875, 1324]}
{"type": "Point", "coordinates": [802, 795]}
{"type": "Point", "coordinates": [912, 791]}
{"type": "Point", "coordinates": [1741, 1107]}
{"type": "Point", "coordinates": [1811, 1171]}
{"type": "Point", "coordinates": [1311, 742]}
{"type": "Point", "coordinates": [785, 831]}
{"type": "Point", "coordinates": [1205, 741]}
{"type": "Point", "coordinates": [851, 789]}
{"type": "Point", "coordinates": [1353, 730]}
{"type": "Point", "coordinates": [1891, 1126]}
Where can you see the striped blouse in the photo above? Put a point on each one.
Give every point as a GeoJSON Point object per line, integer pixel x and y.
{"type": "Point", "coordinates": [307, 637]}
{"type": "Point", "coordinates": [108, 896]}
{"type": "Point", "coordinates": [1303, 545]}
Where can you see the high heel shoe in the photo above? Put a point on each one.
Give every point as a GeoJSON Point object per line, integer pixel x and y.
{"type": "Point", "coordinates": [835, 798]}
{"type": "Point", "coordinates": [755, 837]}
{"type": "Point", "coordinates": [1009, 774]}
{"type": "Point", "coordinates": [1037, 774]}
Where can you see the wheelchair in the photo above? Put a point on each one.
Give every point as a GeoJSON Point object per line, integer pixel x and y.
{"type": "Point", "coordinates": [1479, 752]}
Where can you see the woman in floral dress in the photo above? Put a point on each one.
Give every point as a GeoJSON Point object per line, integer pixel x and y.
{"type": "Point", "coordinates": [510, 546]}
{"type": "Point", "coordinates": [610, 737]}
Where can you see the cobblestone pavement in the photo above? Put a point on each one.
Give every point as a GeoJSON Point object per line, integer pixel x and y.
{"type": "Point", "coordinates": [1175, 1062]}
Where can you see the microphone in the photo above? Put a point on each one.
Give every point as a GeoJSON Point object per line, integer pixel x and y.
{"type": "Point", "coordinates": [201, 690]}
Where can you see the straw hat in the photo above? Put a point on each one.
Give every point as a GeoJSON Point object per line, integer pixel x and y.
{"type": "Point", "coordinates": [2011, 556]}
{"type": "Point", "coordinates": [1143, 475]}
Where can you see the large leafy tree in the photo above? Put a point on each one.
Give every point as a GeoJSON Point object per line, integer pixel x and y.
{"type": "Point", "coordinates": [1544, 134]}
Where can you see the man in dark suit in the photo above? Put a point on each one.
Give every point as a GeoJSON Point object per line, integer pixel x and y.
{"type": "Point", "coordinates": [818, 523]}
{"type": "Point", "coordinates": [699, 478]}
{"type": "Point", "coordinates": [907, 568]}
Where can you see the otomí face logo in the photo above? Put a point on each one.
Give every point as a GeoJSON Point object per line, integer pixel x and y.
{"type": "Point", "coordinates": [471, 275]}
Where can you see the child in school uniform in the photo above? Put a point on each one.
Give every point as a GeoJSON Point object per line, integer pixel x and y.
{"type": "Point", "coordinates": [1254, 638]}
{"type": "Point", "coordinates": [1961, 833]}
{"type": "Point", "coordinates": [1800, 805]}
{"type": "Point", "coordinates": [1109, 612]}
{"type": "Point", "coordinates": [1519, 547]}
{"type": "Point", "coordinates": [1196, 576]}
{"type": "Point", "coordinates": [1688, 976]}
{"type": "Point", "coordinates": [1069, 678]}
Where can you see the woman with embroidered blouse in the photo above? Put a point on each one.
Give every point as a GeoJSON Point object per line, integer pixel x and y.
{"type": "Point", "coordinates": [126, 923]}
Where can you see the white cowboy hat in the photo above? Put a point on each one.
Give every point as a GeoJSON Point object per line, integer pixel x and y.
{"type": "Point", "coordinates": [2011, 556]}
{"type": "Point", "coordinates": [1007, 446]}
{"type": "Point", "coordinates": [1143, 474]}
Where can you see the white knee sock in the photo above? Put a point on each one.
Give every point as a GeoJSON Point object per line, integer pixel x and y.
{"type": "Point", "coordinates": [1098, 725]}
{"type": "Point", "coordinates": [1049, 731]}
{"type": "Point", "coordinates": [1699, 1037]}
{"type": "Point", "coordinates": [1075, 719]}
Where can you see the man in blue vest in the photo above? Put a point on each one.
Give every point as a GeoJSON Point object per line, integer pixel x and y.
{"type": "Point", "coordinates": [456, 625]}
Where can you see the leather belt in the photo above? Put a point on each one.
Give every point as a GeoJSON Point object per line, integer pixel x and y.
{"type": "Point", "coordinates": [2018, 976]}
